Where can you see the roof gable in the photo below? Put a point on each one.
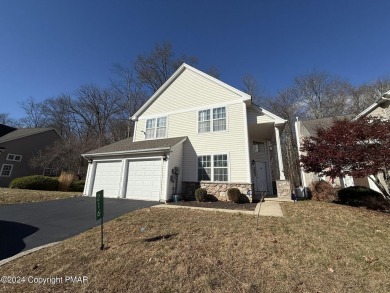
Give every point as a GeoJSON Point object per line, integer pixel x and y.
{"type": "Point", "coordinates": [24, 132]}
{"type": "Point", "coordinates": [194, 80]}
{"type": "Point", "coordinates": [311, 126]}
{"type": "Point", "coordinates": [384, 100]}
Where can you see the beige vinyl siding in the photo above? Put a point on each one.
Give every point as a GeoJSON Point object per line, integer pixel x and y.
{"type": "Point", "coordinates": [175, 160]}
{"type": "Point", "coordinates": [381, 112]}
{"type": "Point", "coordinates": [255, 117]}
{"type": "Point", "coordinates": [230, 142]}
{"type": "Point", "coordinates": [190, 90]}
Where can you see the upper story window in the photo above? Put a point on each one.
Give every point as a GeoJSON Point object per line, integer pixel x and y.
{"type": "Point", "coordinates": [156, 128]}
{"type": "Point", "coordinates": [13, 157]}
{"type": "Point", "coordinates": [6, 170]}
{"type": "Point", "coordinates": [217, 122]}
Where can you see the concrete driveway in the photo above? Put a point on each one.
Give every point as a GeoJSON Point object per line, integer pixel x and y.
{"type": "Point", "coordinates": [25, 226]}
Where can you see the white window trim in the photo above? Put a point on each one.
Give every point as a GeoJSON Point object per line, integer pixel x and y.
{"type": "Point", "coordinates": [2, 168]}
{"type": "Point", "coordinates": [212, 166]}
{"type": "Point", "coordinates": [155, 128]}
{"type": "Point", "coordinates": [212, 119]}
{"type": "Point", "coordinates": [14, 160]}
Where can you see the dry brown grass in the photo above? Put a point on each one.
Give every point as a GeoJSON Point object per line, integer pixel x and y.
{"type": "Point", "coordinates": [13, 196]}
{"type": "Point", "coordinates": [316, 247]}
{"type": "Point", "coordinates": [65, 180]}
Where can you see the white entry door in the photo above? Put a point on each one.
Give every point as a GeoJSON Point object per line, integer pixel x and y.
{"type": "Point", "coordinates": [144, 180]}
{"type": "Point", "coordinates": [260, 177]}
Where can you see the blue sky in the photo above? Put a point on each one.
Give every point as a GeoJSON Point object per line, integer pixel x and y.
{"type": "Point", "coordinates": [52, 47]}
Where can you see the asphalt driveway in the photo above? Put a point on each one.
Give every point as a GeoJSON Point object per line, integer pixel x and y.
{"type": "Point", "coordinates": [29, 225]}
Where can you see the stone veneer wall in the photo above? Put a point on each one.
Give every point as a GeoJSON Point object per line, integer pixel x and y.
{"type": "Point", "coordinates": [219, 190]}
{"type": "Point", "coordinates": [283, 189]}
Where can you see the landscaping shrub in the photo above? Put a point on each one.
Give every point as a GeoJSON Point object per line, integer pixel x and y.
{"type": "Point", "coordinates": [234, 195]}
{"type": "Point", "coordinates": [35, 182]}
{"type": "Point", "coordinates": [77, 186]}
{"type": "Point", "coordinates": [363, 196]}
{"type": "Point", "coordinates": [322, 191]}
{"type": "Point", "coordinates": [201, 194]}
{"type": "Point", "coordinates": [65, 180]}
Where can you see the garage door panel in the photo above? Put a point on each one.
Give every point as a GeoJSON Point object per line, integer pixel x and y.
{"type": "Point", "coordinates": [107, 178]}
{"type": "Point", "coordinates": [144, 179]}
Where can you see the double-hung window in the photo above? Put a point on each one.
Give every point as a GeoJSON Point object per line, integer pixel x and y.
{"type": "Point", "coordinates": [212, 120]}
{"type": "Point", "coordinates": [204, 121]}
{"type": "Point", "coordinates": [219, 119]}
{"type": "Point", "coordinates": [204, 168]}
{"type": "Point", "coordinates": [213, 168]}
{"type": "Point", "coordinates": [13, 157]}
{"type": "Point", "coordinates": [6, 170]}
{"type": "Point", "coordinates": [156, 128]}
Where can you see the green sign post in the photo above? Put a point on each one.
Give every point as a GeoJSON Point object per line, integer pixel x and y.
{"type": "Point", "coordinates": [100, 212]}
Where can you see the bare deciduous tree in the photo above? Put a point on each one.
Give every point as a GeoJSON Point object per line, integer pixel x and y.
{"type": "Point", "coordinates": [157, 67]}
{"type": "Point", "coordinates": [322, 94]}
{"type": "Point", "coordinates": [366, 94]}
{"type": "Point", "coordinates": [35, 115]}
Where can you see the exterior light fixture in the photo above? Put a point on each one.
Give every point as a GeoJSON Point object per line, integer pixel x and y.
{"type": "Point", "coordinates": [164, 157]}
{"type": "Point", "coordinates": [2, 149]}
{"type": "Point", "coordinates": [253, 163]}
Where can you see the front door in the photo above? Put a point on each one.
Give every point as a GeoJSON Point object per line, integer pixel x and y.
{"type": "Point", "coordinates": [260, 177]}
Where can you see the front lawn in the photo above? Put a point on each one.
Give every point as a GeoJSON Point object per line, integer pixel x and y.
{"type": "Point", "coordinates": [13, 196]}
{"type": "Point", "coordinates": [316, 247]}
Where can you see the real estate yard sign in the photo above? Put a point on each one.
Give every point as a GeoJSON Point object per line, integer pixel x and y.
{"type": "Point", "coordinates": [100, 212]}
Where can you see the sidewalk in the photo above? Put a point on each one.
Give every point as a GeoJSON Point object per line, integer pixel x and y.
{"type": "Point", "coordinates": [268, 208]}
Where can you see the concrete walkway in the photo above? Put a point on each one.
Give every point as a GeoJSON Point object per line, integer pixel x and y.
{"type": "Point", "coordinates": [267, 208]}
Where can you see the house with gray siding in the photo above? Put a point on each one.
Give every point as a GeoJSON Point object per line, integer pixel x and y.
{"type": "Point", "coordinates": [17, 148]}
{"type": "Point", "coordinates": [195, 131]}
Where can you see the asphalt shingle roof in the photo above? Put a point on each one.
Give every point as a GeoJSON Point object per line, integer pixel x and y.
{"type": "Point", "coordinates": [312, 125]}
{"type": "Point", "coordinates": [128, 145]}
{"type": "Point", "coordinates": [22, 132]}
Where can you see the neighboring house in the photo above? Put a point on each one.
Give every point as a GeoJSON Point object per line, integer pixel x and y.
{"type": "Point", "coordinates": [18, 146]}
{"type": "Point", "coordinates": [381, 108]}
{"type": "Point", "coordinates": [194, 131]}
{"type": "Point", "coordinates": [306, 128]}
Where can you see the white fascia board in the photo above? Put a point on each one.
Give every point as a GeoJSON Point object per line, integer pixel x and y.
{"type": "Point", "coordinates": [278, 120]}
{"type": "Point", "coordinates": [382, 99]}
{"type": "Point", "coordinates": [245, 97]}
{"type": "Point", "coordinates": [126, 152]}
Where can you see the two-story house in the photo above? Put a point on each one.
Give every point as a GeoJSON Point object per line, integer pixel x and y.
{"type": "Point", "coordinates": [18, 147]}
{"type": "Point", "coordinates": [194, 131]}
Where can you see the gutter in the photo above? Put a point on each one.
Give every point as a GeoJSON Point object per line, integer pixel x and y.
{"type": "Point", "coordinates": [144, 151]}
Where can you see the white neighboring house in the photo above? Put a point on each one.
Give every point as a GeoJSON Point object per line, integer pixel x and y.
{"type": "Point", "coordinates": [194, 131]}
{"type": "Point", "coordinates": [381, 108]}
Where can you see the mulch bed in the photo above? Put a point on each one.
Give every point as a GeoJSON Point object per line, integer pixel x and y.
{"type": "Point", "coordinates": [227, 205]}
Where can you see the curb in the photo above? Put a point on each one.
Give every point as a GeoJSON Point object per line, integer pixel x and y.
{"type": "Point", "coordinates": [23, 253]}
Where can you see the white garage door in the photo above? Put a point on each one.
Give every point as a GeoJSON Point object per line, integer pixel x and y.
{"type": "Point", "coordinates": [144, 180]}
{"type": "Point", "coordinates": [107, 177]}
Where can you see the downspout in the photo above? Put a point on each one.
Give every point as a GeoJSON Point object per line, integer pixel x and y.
{"type": "Point", "coordinates": [301, 173]}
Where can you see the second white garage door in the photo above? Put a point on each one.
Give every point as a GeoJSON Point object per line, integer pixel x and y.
{"type": "Point", "coordinates": [144, 180]}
